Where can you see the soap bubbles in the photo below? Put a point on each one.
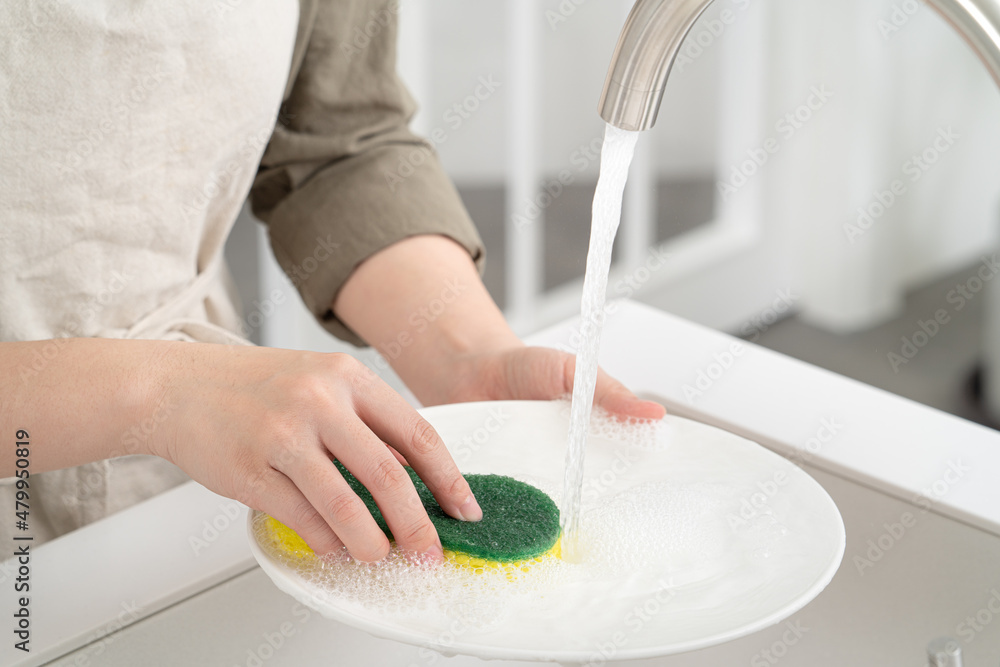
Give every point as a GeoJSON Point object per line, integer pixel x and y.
{"type": "Point", "coordinates": [403, 587]}
{"type": "Point", "coordinates": [639, 532]}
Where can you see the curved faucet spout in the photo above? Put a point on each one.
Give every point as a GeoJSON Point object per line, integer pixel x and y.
{"type": "Point", "coordinates": [655, 30]}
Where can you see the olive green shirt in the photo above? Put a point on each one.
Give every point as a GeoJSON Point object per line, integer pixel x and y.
{"type": "Point", "coordinates": [342, 176]}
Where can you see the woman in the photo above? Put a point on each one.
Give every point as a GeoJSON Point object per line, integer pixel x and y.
{"type": "Point", "coordinates": [133, 133]}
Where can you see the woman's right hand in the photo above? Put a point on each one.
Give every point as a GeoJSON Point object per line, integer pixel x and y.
{"type": "Point", "coordinates": [263, 425]}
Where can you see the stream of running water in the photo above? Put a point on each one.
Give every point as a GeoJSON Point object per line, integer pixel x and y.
{"type": "Point", "coordinates": [616, 156]}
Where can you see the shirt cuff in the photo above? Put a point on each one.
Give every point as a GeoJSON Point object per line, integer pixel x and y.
{"type": "Point", "coordinates": [355, 207]}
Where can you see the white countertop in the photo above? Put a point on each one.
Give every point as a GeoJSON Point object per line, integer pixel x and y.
{"type": "Point", "coordinates": [891, 443]}
{"type": "Point", "coordinates": [87, 584]}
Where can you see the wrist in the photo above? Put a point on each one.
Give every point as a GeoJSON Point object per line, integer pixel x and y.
{"type": "Point", "coordinates": [436, 324]}
{"type": "Point", "coordinates": [457, 359]}
{"type": "Point", "coordinates": [474, 375]}
{"type": "Point", "coordinates": [151, 395]}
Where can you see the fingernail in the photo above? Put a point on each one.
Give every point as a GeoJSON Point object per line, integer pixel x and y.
{"type": "Point", "coordinates": [470, 510]}
{"type": "Point", "coordinates": [435, 553]}
{"type": "Point", "coordinates": [657, 408]}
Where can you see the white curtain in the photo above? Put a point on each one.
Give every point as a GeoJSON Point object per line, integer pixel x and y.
{"type": "Point", "coordinates": [895, 181]}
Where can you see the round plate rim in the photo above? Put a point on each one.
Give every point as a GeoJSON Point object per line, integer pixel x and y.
{"type": "Point", "coordinates": [287, 584]}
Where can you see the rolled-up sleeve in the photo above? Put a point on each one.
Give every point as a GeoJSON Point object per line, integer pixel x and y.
{"type": "Point", "coordinates": [342, 176]}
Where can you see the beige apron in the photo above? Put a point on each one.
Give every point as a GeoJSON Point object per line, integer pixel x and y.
{"type": "Point", "coordinates": [131, 132]}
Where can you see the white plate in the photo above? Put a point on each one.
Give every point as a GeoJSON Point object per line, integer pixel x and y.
{"type": "Point", "coordinates": [741, 539]}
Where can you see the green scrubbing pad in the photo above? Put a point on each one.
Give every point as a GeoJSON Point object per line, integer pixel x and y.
{"type": "Point", "coordinates": [519, 521]}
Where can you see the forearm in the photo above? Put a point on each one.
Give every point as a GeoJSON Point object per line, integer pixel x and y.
{"type": "Point", "coordinates": [79, 400]}
{"type": "Point", "coordinates": [423, 306]}
{"type": "Point", "coordinates": [256, 424]}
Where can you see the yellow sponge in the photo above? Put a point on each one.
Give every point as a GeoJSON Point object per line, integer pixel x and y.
{"type": "Point", "coordinates": [286, 539]}
{"type": "Point", "coordinates": [479, 565]}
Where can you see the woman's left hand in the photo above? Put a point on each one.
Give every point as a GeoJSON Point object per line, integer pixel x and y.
{"type": "Point", "coordinates": [439, 328]}
{"type": "Point", "coordinates": [537, 373]}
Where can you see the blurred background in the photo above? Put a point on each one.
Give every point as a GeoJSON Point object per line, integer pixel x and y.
{"type": "Point", "coordinates": [823, 180]}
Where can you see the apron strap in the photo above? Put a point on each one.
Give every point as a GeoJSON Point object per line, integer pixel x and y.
{"type": "Point", "coordinates": [167, 322]}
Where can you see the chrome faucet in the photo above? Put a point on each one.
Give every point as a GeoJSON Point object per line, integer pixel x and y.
{"type": "Point", "coordinates": [655, 30]}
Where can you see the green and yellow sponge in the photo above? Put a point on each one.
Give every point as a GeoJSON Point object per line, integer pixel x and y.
{"type": "Point", "coordinates": [520, 524]}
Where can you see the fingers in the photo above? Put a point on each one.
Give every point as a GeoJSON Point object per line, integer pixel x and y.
{"type": "Point", "coordinates": [393, 420]}
{"type": "Point", "coordinates": [399, 457]}
{"type": "Point", "coordinates": [377, 469]}
{"type": "Point", "coordinates": [287, 504]}
{"type": "Point", "coordinates": [546, 373]}
{"type": "Point", "coordinates": [614, 397]}
{"type": "Point", "coordinates": [340, 508]}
